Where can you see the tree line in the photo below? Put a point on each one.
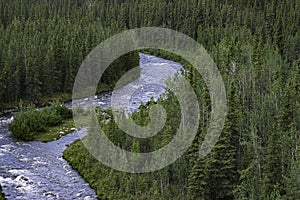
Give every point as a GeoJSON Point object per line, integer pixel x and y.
{"type": "Point", "coordinates": [45, 41]}
{"type": "Point", "coordinates": [43, 44]}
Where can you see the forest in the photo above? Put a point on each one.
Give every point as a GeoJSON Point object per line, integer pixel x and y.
{"type": "Point", "coordinates": [255, 45]}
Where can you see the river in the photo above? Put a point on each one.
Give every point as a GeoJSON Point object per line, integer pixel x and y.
{"type": "Point", "coordinates": [36, 170]}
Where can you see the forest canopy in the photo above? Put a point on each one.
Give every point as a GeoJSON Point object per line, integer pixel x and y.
{"type": "Point", "coordinates": [256, 46]}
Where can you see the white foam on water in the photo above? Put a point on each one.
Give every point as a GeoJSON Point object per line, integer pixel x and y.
{"type": "Point", "coordinates": [24, 159]}
{"type": "Point", "coordinates": [21, 182]}
{"type": "Point", "coordinates": [39, 162]}
{"type": "Point", "coordinates": [19, 171]}
{"type": "Point", "coordinates": [6, 147]}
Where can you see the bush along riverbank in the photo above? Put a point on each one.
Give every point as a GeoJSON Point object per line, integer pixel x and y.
{"type": "Point", "coordinates": [46, 124]}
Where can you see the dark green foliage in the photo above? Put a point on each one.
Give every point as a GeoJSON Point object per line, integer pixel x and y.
{"type": "Point", "coordinates": [44, 60]}
{"type": "Point", "coordinates": [26, 123]}
{"type": "Point", "coordinates": [255, 45]}
{"type": "Point", "coordinates": [292, 181]}
{"type": "Point", "coordinates": [43, 46]}
{"type": "Point", "coordinates": [61, 110]}
{"type": "Point", "coordinates": [51, 117]}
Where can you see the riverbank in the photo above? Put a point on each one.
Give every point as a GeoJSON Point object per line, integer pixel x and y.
{"type": "Point", "coordinates": [35, 170]}
{"type": "Point", "coordinates": [56, 132]}
{"type": "Point", "coordinates": [109, 183]}
{"type": "Point", "coordinates": [10, 108]}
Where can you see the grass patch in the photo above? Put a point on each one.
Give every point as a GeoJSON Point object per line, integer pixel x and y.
{"type": "Point", "coordinates": [56, 132]}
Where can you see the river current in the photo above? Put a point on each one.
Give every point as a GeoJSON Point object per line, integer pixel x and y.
{"type": "Point", "coordinates": [36, 170]}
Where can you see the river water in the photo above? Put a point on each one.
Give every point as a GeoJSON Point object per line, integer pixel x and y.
{"type": "Point", "coordinates": [36, 170]}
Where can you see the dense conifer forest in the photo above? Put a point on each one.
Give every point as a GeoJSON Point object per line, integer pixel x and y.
{"type": "Point", "coordinates": [256, 46]}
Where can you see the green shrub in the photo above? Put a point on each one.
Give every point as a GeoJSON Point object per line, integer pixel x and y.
{"type": "Point", "coordinates": [51, 117]}
{"type": "Point", "coordinates": [26, 123]}
{"type": "Point", "coordinates": [62, 110]}
{"type": "Point", "coordinates": [21, 131]}
{"type": "Point", "coordinates": [36, 122]}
